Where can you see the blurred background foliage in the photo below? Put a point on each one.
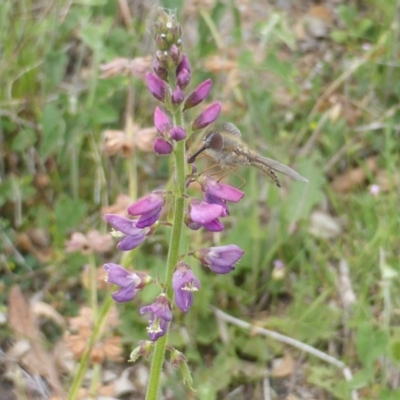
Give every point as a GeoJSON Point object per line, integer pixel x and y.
{"type": "Point", "coordinates": [311, 84]}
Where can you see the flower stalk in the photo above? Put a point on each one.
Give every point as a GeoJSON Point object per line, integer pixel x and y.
{"type": "Point", "coordinates": [173, 256]}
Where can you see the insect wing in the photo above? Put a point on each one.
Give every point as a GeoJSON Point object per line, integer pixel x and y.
{"type": "Point", "coordinates": [231, 128]}
{"type": "Point", "coordinates": [284, 169]}
{"type": "Point", "coordinates": [274, 165]}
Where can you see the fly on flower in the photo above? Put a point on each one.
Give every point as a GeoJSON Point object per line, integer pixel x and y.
{"type": "Point", "coordinates": [227, 148]}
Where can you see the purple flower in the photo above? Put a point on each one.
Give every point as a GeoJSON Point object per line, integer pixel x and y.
{"type": "Point", "coordinates": [207, 117]}
{"type": "Point", "coordinates": [279, 264]}
{"type": "Point", "coordinates": [198, 95]}
{"type": "Point", "coordinates": [278, 273]}
{"type": "Point", "coordinates": [208, 198]}
{"type": "Point", "coordinates": [129, 282]}
{"type": "Point", "coordinates": [177, 96]}
{"type": "Point", "coordinates": [219, 190]}
{"type": "Point", "coordinates": [202, 212]}
{"type": "Point", "coordinates": [149, 208]}
{"type": "Point", "coordinates": [213, 226]}
{"type": "Point", "coordinates": [161, 314]}
{"type": "Point", "coordinates": [132, 236]}
{"type": "Point", "coordinates": [220, 259]}
{"type": "Point", "coordinates": [161, 121]}
{"type": "Point", "coordinates": [184, 283]}
{"type": "Point", "coordinates": [157, 87]}
{"type": "Point", "coordinates": [177, 133]}
{"type": "Point", "coordinates": [162, 147]}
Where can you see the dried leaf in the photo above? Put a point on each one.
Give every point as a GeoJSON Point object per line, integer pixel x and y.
{"type": "Point", "coordinates": [344, 285]}
{"type": "Point", "coordinates": [325, 226]}
{"type": "Point", "coordinates": [352, 178]}
{"type": "Point", "coordinates": [282, 367]}
{"type": "Point", "coordinates": [22, 321]}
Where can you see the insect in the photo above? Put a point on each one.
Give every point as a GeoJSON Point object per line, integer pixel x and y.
{"type": "Point", "coordinates": [228, 149]}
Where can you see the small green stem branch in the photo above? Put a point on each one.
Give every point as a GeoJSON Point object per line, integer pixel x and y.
{"type": "Point", "coordinates": [173, 256]}
{"type": "Point", "coordinates": [84, 361]}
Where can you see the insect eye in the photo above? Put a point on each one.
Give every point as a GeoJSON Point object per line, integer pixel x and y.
{"type": "Point", "coordinates": [216, 141]}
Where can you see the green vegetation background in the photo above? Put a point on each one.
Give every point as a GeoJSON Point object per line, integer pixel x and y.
{"type": "Point", "coordinates": [326, 110]}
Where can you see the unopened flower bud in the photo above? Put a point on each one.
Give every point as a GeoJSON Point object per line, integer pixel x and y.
{"type": "Point", "coordinates": [184, 64]}
{"type": "Point", "coordinates": [162, 147]}
{"type": "Point", "coordinates": [160, 71]}
{"type": "Point", "coordinates": [161, 121]}
{"type": "Point", "coordinates": [177, 133]}
{"type": "Point", "coordinates": [157, 87]}
{"type": "Point", "coordinates": [183, 78]}
{"type": "Point", "coordinates": [145, 349]}
{"type": "Point", "coordinates": [175, 54]}
{"type": "Point", "coordinates": [162, 57]}
{"type": "Point", "coordinates": [177, 96]}
{"type": "Point", "coordinates": [207, 117]}
{"type": "Point", "coordinates": [161, 42]}
{"type": "Point", "coordinates": [198, 95]}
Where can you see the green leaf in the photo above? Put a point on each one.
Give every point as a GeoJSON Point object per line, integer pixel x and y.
{"type": "Point", "coordinates": [303, 197]}
{"type": "Point", "coordinates": [69, 213]}
{"type": "Point", "coordinates": [283, 69]}
{"type": "Point", "coordinates": [361, 378]}
{"type": "Point", "coordinates": [53, 129]}
{"type": "Point", "coordinates": [395, 350]}
{"type": "Point", "coordinates": [339, 36]}
{"type": "Point", "coordinates": [24, 140]}
{"type": "Point", "coordinates": [371, 344]}
{"type": "Point", "coordinates": [56, 64]}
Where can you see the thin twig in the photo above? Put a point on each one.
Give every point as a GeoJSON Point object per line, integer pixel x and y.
{"type": "Point", "coordinates": [292, 342]}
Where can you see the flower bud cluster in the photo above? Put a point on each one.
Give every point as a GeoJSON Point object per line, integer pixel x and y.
{"type": "Point", "coordinates": [168, 82]}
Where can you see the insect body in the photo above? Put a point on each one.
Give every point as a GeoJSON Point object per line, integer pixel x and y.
{"type": "Point", "coordinates": [227, 148]}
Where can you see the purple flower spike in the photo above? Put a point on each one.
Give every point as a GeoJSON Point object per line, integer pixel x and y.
{"type": "Point", "coordinates": [198, 95]}
{"type": "Point", "coordinates": [183, 78]}
{"type": "Point", "coordinates": [202, 212]}
{"type": "Point", "coordinates": [149, 208]}
{"type": "Point", "coordinates": [220, 259]}
{"type": "Point", "coordinates": [162, 147]}
{"type": "Point", "coordinates": [129, 282]}
{"type": "Point", "coordinates": [177, 133]}
{"type": "Point", "coordinates": [132, 236]}
{"type": "Point", "coordinates": [220, 190]}
{"type": "Point", "coordinates": [160, 316]}
{"type": "Point", "coordinates": [184, 283]}
{"type": "Point", "coordinates": [177, 96]}
{"type": "Point", "coordinates": [157, 87]}
{"type": "Point", "coordinates": [161, 121]}
{"type": "Point", "coordinates": [207, 117]}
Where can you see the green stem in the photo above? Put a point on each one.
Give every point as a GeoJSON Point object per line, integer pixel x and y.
{"type": "Point", "coordinates": [84, 361]}
{"type": "Point", "coordinates": [93, 286]}
{"type": "Point", "coordinates": [172, 259]}
{"type": "Point", "coordinates": [212, 27]}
